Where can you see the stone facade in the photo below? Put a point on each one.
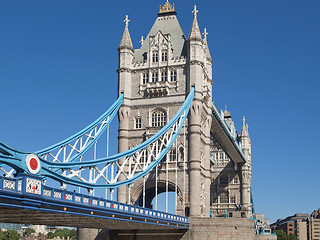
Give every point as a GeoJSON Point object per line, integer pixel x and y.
{"type": "Point", "coordinates": [155, 80]}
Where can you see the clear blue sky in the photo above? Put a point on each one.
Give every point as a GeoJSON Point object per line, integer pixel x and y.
{"type": "Point", "coordinates": [58, 62]}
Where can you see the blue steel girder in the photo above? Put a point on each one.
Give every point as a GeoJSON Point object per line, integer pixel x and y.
{"type": "Point", "coordinates": [138, 161]}
{"type": "Point", "coordinates": [68, 150]}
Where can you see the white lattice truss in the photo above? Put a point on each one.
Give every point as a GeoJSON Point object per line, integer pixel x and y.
{"type": "Point", "coordinates": [132, 166]}
{"type": "Point", "coordinates": [72, 150]}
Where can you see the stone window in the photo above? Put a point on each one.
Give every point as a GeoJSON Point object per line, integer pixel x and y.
{"type": "Point", "coordinates": [164, 56]}
{"type": "Point", "coordinates": [172, 156]}
{"type": "Point", "coordinates": [224, 179]}
{"type": "Point", "coordinates": [155, 57]}
{"type": "Point", "coordinates": [236, 179]}
{"type": "Point", "coordinates": [221, 155]}
{"type": "Point", "coordinates": [181, 154]}
{"type": "Point", "coordinates": [173, 76]}
{"type": "Point", "coordinates": [163, 76]}
{"type": "Point", "coordinates": [224, 198]}
{"type": "Point", "coordinates": [154, 77]}
{"type": "Point", "coordinates": [145, 78]}
{"type": "Point", "coordinates": [138, 123]}
{"type": "Point", "coordinates": [158, 118]}
{"type": "Point", "coordinates": [232, 199]}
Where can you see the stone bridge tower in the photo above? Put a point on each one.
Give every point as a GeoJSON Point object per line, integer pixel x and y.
{"type": "Point", "coordinates": [155, 80]}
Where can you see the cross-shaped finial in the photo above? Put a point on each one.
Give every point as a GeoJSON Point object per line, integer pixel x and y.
{"type": "Point", "coordinates": [195, 11]}
{"type": "Point", "coordinates": [141, 41]}
{"type": "Point", "coordinates": [126, 21]}
{"type": "Point", "coordinates": [205, 33]}
{"type": "Point", "coordinates": [244, 121]}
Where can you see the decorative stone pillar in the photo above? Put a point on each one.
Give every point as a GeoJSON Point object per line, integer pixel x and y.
{"type": "Point", "coordinates": [194, 157]}
{"type": "Point", "coordinates": [123, 145]}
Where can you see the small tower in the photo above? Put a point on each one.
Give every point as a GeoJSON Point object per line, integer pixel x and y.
{"type": "Point", "coordinates": [126, 52]}
{"type": "Point", "coordinates": [246, 169]}
{"type": "Point", "coordinates": [200, 118]}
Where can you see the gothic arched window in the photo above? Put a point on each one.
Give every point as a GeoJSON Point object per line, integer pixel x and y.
{"type": "Point", "coordinates": [163, 76]}
{"type": "Point", "coordinates": [173, 76]}
{"type": "Point", "coordinates": [138, 122]}
{"type": "Point", "coordinates": [155, 57]}
{"type": "Point", "coordinates": [236, 179]}
{"type": "Point", "coordinates": [164, 56]}
{"type": "Point", "coordinates": [172, 157]}
{"type": "Point", "coordinates": [181, 154]}
{"type": "Point", "coordinates": [158, 118]}
{"type": "Point", "coordinates": [145, 78]}
{"type": "Point", "coordinates": [154, 77]}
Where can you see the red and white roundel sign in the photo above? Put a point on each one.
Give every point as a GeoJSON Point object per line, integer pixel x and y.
{"type": "Point", "coordinates": [33, 163]}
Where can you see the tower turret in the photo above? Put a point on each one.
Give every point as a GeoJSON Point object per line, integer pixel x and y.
{"type": "Point", "coordinates": [199, 123]}
{"type": "Point", "coordinates": [126, 52]}
{"type": "Point", "coordinates": [246, 169]}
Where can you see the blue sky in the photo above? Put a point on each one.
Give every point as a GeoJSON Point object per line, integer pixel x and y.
{"type": "Point", "coordinates": [58, 62]}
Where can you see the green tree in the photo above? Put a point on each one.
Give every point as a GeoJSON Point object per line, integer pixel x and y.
{"type": "Point", "coordinates": [11, 235]}
{"type": "Point", "coordinates": [73, 234]}
{"type": "Point", "coordinates": [28, 231]}
{"type": "Point", "coordinates": [50, 235]}
{"type": "Point", "coordinates": [292, 237]}
{"type": "Point", "coordinates": [65, 233]}
{"type": "Point", "coordinates": [281, 235]}
{"type": "Point", "coordinates": [2, 236]}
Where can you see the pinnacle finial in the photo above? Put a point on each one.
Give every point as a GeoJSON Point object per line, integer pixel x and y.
{"type": "Point", "coordinates": [167, 7]}
{"type": "Point", "coordinates": [195, 11]}
{"type": "Point", "coordinates": [127, 21]}
{"type": "Point", "coordinates": [205, 33]}
{"type": "Point", "coordinates": [141, 40]}
{"type": "Point", "coordinates": [244, 121]}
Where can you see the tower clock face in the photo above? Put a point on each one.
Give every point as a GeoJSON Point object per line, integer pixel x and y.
{"type": "Point", "coordinates": [33, 186]}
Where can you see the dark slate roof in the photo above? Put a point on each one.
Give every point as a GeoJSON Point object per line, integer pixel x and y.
{"type": "Point", "coordinates": [167, 25]}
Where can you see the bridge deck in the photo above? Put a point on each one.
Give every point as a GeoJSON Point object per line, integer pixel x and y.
{"type": "Point", "coordinates": [222, 134]}
{"type": "Point", "coordinates": [48, 206]}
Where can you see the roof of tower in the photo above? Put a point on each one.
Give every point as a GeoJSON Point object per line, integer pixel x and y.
{"type": "Point", "coordinates": [195, 33]}
{"type": "Point", "coordinates": [226, 113]}
{"type": "Point", "coordinates": [126, 39]}
{"type": "Point", "coordinates": [166, 23]}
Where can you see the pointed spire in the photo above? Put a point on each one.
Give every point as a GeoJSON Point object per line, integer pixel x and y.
{"type": "Point", "coordinates": [126, 39]}
{"type": "Point", "coordinates": [205, 33]}
{"type": "Point", "coordinates": [195, 33]}
{"type": "Point", "coordinates": [244, 130]}
{"type": "Point", "coordinates": [141, 41]}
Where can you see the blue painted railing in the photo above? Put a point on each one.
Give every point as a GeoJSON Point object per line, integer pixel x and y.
{"type": "Point", "coordinates": [32, 186]}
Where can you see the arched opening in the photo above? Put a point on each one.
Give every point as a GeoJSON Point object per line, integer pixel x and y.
{"type": "Point", "coordinates": [160, 197]}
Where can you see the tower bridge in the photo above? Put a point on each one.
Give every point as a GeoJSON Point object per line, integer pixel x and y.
{"type": "Point", "coordinates": [172, 138]}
